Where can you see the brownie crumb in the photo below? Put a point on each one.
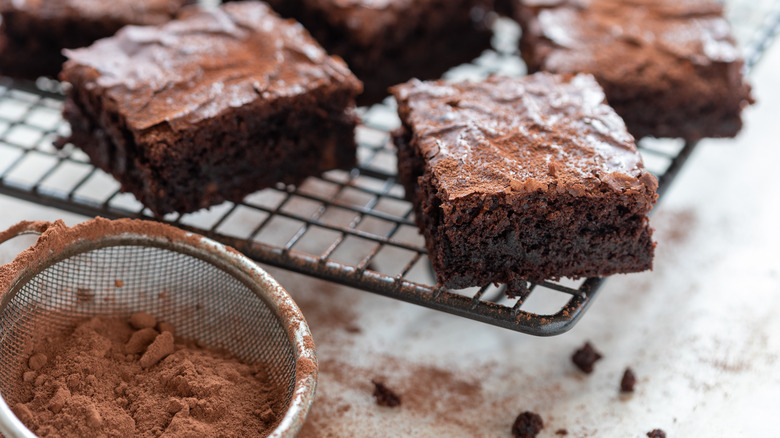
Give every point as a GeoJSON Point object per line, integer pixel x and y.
{"type": "Point", "coordinates": [585, 357]}
{"type": "Point", "coordinates": [527, 425]}
{"type": "Point", "coordinates": [561, 432]}
{"type": "Point", "coordinates": [628, 381]}
{"type": "Point", "coordinates": [385, 396]}
{"type": "Point", "coordinates": [656, 433]}
{"type": "Point", "coordinates": [517, 287]}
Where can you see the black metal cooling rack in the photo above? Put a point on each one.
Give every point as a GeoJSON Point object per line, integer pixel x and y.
{"type": "Point", "coordinates": [353, 228]}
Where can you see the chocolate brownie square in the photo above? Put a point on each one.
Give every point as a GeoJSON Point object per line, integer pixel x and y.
{"type": "Point", "coordinates": [669, 68]}
{"type": "Point", "coordinates": [34, 32]}
{"type": "Point", "coordinates": [529, 178]}
{"type": "Point", "coordinates": [211, 107]}
{"type": "Point", "coordinates": [386, 42]}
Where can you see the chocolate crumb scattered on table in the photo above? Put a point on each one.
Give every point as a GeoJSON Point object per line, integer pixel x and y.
{"type": "Point", "coordinates": [385, 396]}
{"type": "Point", "coordinates": [656, 433]}
{"type": "Point", "coordinates": [527, 425]}
{"type": "Point", "coordinates": [561, 432]}
{"type": "Point", "coordinates": [585, 357]}
{"type": "Point", "coordinates": [628, 381]}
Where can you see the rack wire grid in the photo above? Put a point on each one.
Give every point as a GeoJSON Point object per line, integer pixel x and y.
{"type": "Point", "coordinates": [353, 228]}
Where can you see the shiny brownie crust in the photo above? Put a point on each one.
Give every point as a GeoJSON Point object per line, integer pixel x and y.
{"type": "Point", "coordinates": [211, 107]}
{"type": "Point", "coordinates": [532, 178]}
{"type": "Point", "coordinates": [669, 68]}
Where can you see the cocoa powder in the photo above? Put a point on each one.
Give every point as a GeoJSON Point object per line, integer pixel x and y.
{"type": "Point", "coordinates": [107, 378]}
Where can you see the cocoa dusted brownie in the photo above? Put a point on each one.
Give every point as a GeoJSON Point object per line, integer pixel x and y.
{"type": "Point", "coordinates": [529, 178]}
{"type": "Point", "coordinates": [669, 68]}
{"type": "Point", "coordinates": [34, 32]}
{"type": "Point", "coordinates": [211, 107]}
{"type": "Point", "coordinates": [386, 42]}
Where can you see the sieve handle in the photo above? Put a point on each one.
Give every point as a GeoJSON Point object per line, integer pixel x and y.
{"type": "Point", "coordinates": [27, 227]}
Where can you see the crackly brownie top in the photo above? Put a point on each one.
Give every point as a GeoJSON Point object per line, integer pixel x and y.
{"type": "Point", "coordinates": [127, 11]}
{"type": "Point", "coordinates": [589, 35]}
{"type": "Point", "coordinates": [504, 135]}
{"type": "Point", "coordinates": [207, 62]}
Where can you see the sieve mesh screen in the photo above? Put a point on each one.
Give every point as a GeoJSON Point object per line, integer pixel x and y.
{"type": "Point", "coordinates": [200, 298]}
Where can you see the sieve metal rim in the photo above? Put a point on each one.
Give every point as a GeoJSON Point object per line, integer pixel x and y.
{"type": "Point", "coordinates": [58, 242]}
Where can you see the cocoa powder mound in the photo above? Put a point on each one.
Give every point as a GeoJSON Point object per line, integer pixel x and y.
{"type": "Point", "coordinates": [104, 379]}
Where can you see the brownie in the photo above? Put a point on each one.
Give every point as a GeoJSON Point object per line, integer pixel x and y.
{"type": "Point", "coordinates": [533, 178]}
{"type": "Point", "coordinates": [386, 42]}
{"type": "Point", "coordinates": [34, 32]}
{"type": "Point", "coordinates": [211, 107]}
{"type": "Point", "coordinates": [669, 68]}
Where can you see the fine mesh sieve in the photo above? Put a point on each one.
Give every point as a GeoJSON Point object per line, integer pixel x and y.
{"type": "Point", "coordinates": [209, 292]}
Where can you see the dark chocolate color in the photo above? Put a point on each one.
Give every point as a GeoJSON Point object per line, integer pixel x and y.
{"type": "Point", "coordinates": [656, 433]}
{"type": "Point", "coordinates": [385, 396]}
{"type": "Point", "coordinates": [386, 42]}
{"type": "Point", "coordinates": [670, 68]}
{"type": "Point", "coordinates": [586, 357]}
{"type": "Point", "coordinates": [527, 425]}
{"type": "Point", "coordinates": [532, 178]}
{"type": "Point", "coordinates": [628, 381]}
{"type": "Point", "coordinates": [34, 32]}
{"type": "Point", "coordinates": [211, 107]}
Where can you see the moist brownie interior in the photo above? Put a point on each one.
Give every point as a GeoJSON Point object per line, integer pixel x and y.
{"type": "Point", "coordinates": [211, 107]}
{"type": "Point", "coordinates": [533, 178]}
{"type": "Point", "coordinates": [386, 42]}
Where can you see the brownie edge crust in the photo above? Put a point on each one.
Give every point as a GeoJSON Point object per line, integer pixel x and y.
{"type": "Point", "coordinates": [33, 33]}
{"type": "Point", "coordinates": [669, 68]}
{"type": "Point", "coordinates": [533, 178]}
{"type": "Point", "coordinates": [211, 107]}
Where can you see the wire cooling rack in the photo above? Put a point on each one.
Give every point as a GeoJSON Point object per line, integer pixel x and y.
{"type": "Point", "coordinates": [355, 227]}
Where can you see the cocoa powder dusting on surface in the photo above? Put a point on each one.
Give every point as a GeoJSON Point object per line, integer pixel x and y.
{"type": "Point", "coordinates": [676, 225]}
{"type": "Point", "coordinates": [324, 309]}
{"type": "Point", "coordinates": [426, 390]}
{"type": "Point", "coordinates": [93, 381]}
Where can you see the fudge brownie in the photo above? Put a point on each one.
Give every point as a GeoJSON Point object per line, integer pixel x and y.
{"type": "Point", "coordinates": [386, 42]}
{"type": "Point", "coordinates": [669, 68]}
{"type": "Point", "coordinates": [533, 178]}
{"type": "Point", "coordinates": [34, 32]}
{"type": "Point", "coordinates": [211, 107]}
